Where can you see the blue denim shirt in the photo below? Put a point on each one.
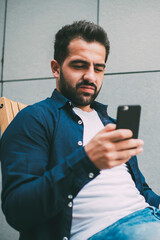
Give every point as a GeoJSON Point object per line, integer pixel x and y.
{"type": "Point", "coordinates": [44, 166]}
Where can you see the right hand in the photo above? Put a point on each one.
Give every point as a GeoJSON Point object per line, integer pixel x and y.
{"type": "Point", "coordinates": [111, 147]}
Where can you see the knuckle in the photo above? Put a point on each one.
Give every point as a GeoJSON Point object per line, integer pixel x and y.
{"type": "Point", "coordinates": [132, 142]}
{"type": "Point", "coordinates": [122, 134]}
{"type": "Point", "coordinates": [110, 165]}
{"type": "Point", "coordinates": [109, 156]}
{"type": "Point", "coordinates": [125, 134]}
{"type": "Point", "coordinates": [127, 154]}
{"type": "Point", "coordinates": [136, 144]}
{"type": "Point", "coordinates": [108, 147]}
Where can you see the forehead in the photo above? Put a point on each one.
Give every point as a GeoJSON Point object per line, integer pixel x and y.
{"type": "Point", "coordinates": [89, 51]}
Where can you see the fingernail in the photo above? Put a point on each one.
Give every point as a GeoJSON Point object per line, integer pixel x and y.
{"type": "Point", "coordinates": [140, 150]}
{"type": "Point", "coordinates": [141, 142]}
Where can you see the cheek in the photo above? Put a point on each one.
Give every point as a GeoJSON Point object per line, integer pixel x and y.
{"type": "Point", "coordinates": [99, 81]}
{"type": "Point", "coordinates": [72, 77]}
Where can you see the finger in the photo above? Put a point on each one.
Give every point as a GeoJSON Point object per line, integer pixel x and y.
{"type": "Point", "coordinates": [127, 154]}
{"type": "Point", "coordinates": [121, 134]}
{"type": "Point", "coordinates": [114, 135]}
{"type": "Point", "coordinates": [118, 158]}
{"type": "Point", "coordinates": [128, 144]}
{"type": "Point", "coordinates": [108, 128]}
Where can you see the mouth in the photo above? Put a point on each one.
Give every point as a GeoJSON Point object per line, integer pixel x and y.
{"type": "Point", "coordinates": [87, 88]}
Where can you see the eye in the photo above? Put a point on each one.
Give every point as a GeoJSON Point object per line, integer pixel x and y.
{"type": "Point", "coordinates": [79, 66]}
{"type": "Point", "coordinates": [99, 69]}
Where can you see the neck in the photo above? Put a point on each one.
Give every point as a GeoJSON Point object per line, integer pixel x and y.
{"type": "Point", "coordinates": [85, 108]}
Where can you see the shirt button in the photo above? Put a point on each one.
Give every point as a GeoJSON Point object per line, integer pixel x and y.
{"type": "Point", "coordinates": [79, 122]}
{"type": "Point", "coordinates": [70, 204]}
{"type": "Point", "coordinates": [70, 196]}
{"type": "Point", "coordinates": [65, 238]}
{"type": "Point", "coordinates": [80, 143]}
{"type": "Point", "coordinates": [91, 175]}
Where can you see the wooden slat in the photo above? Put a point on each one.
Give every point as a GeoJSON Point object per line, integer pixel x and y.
{"type": "Point", "coordinates": [3, 116]}
{"type": "Point", "coordinates": [6, 115]}
{"type": "Point", "coordinates": [14, 108]}
{"type": "Point", "coordinates": [21, 106]}
{"type": "Point", "coordinates": [8, 110]}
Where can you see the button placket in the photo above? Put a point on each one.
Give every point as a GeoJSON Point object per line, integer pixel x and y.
{"type": "Point", "coordinates": [70, 197]}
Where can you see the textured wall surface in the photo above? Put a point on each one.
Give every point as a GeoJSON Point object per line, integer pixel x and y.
{"type": "Point", "coordinates": [133, 69]}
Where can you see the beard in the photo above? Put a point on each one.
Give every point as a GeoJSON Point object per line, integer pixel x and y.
{"type": "Point", "coordinates": [72, 93]}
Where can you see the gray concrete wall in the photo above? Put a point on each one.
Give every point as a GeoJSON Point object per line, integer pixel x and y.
{"type": "Point", "coordinates": [131, 76]}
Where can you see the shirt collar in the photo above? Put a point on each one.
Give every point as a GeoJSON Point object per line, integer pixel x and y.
{"type": "Point", "coordinates": [61, 101]}
{"type": "Point", "coordinates": [99, 107]}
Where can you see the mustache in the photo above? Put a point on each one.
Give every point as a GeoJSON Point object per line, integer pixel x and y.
{"type": "Point", "coordinates": [85, 82]}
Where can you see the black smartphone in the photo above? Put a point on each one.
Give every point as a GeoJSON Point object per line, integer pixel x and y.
{"type": "Point", "coordinates": [128, 117]}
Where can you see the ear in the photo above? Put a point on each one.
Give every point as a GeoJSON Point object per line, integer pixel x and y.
{"type": "Point", "coordinates": [55, 68]}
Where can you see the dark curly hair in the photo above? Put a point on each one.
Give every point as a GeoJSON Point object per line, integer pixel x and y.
{"type": "Point", "coordinates": [86, 30]}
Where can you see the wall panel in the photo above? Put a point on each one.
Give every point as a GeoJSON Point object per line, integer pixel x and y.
{"type": "Point", "coordinates": [133, 30]}
{"type": "Point", "coordinates": [31, 26]}
{"type": "Point", "coordinates": [29, 92]}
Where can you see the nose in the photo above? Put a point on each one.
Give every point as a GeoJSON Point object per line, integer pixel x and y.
{"type": "Point", "coordinates": [90, 75]}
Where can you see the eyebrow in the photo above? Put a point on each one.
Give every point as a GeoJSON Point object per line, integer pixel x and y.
{"type": "Point", "coordinates": [100, 65]}
{"type": "Point", "coordinates": [85, 62]}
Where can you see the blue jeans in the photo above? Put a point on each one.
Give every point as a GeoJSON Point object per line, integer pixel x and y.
{"type": "Point", "coordinates": [140, 225]}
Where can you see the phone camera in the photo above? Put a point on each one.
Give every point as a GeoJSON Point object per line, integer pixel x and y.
{"type": "Point", "coordinates": [125, 108]}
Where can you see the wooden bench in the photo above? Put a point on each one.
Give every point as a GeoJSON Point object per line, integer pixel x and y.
{"type": "Point", "coordinates": [8, 110]}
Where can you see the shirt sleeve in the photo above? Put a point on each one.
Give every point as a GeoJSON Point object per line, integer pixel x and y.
{"type": "Point", "coordinates": [151, 197]}
{"type": "Point", "coordinates": [33, 193]}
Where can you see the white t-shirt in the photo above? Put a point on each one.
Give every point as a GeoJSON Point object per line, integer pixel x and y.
{"type": "Point", "coordinates": [108, 197]}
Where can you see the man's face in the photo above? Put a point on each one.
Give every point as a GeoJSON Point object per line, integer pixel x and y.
{"type": "Point", "coordinates": [81, 74]}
